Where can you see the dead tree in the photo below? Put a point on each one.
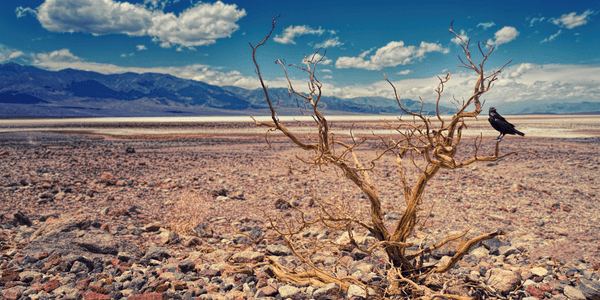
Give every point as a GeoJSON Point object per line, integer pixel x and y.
{"type": "Point", "coordinates": [434, 143]}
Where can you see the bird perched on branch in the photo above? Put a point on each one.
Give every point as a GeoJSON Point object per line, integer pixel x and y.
{"type": "Point", "coordinates": [501, 125]}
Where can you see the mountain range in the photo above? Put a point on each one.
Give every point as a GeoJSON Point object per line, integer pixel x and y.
{"type": "Point", "coordinates": [27, 91]}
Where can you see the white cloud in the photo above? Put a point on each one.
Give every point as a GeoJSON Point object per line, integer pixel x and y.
{"type": "Point", "coordinates": [15, 54]}
{"type": "Point", "coordinates": [533, 20]}
{"type": "Point", "coordinates": [201, 24]}
{"type": "Point", "coordinates": [390, 55]}
{"type": "Point", "coordinates": [552, 37]}
{"type": "Point", "coordinates": [127, 55]}
{"type": "Point", "coordinates": [141, 47]}
{"type": "Point", "coordinates": [573, 20]}
{"type": "Point", "coordinates": [316, 57]}
{"type": "Point", "coordinates": [63, 59]}
{"type": "Point", "coordinates": [23, 11]}
{"type": "Point", "coordinates": [335, 42]}
{"type": "Point", "coordinates": [404, 72]}
{"type": "Point", "coordinates": [8, 54]}
{"type": "Point", "coordinates": [159, 4]}
{"type": "Point", "coordinates": [504, 35]}
{"type": "Point", "coordinates": [463, 35]}
{"type": "Point", "coordinates": [486, 25]}
{"type": "Point", "coordinates": [291, 32]}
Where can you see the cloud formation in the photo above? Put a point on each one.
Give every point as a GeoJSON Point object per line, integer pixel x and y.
{"type": "Point", "coordinates": [504, 35]}
{"type": "Point", "coordinates": [552, 37]}
{"type": "Point", "coordinates": [199, 25]}
{"type": "Point", "coordinates": [335, 42]}
{"type": "Point", "coordinates": [486, 25]}
{"type": "Point", "coordinates": [288, 35]}
{"type": "Point", "coordinates": [141, 47]}
{"type": "Point", "coordinates": [390, 55]}
{"type": "Point", "coordinates": [573, 20]}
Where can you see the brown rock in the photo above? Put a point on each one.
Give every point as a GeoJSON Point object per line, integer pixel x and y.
{"type": "Point", "coordinates": [269, 291]}
{"type": "Point", "coordinates": [9, 275]}
{"type": "Point", "coordinates": [162, 287]}
{"type": "Point", "coordinates": [51, 285]}
{"type": "Point", "coordinates": [99, 290]}
{"type": "Point", "coordinates": [535, 292]}
{"type": "Point", "coordinates": [179, 285]}
{"type": "Point", "coordinates": [95, 296]}
{"type": "Point", "coordinates": [11, 294]}
{"type": "Point", "coordinates": [108, 178]}
{"type": "Point", "coordinates": [503, 281]}
{"type": "Point", "coordinates": [150, 296]}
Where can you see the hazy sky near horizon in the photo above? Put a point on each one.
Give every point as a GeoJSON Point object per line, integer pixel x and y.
{"type": "Point", "coordinates": [553, 45]}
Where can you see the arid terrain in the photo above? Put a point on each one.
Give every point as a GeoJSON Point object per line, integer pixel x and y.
{"type": "Point", "coordinates": [211, 181]}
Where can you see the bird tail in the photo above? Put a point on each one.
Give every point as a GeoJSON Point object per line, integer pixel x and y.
{"type": "Point", "coordinates": [519, 133]}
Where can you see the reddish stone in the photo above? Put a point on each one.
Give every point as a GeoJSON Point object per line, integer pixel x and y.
{"type": "Point", "coordinates": [95, 296]}
{"type": "Point", "coordinates": [209, 273]}
{"type": "Point", "coordinates": [99, 290]}
{"type": "Point", "coordinates": [105, 227]}
{"type": "Point", "coordinates": [567, 208]}
{"type": "Point", "coordinates": [151, 296]}
{"type": "Point", "coordinates": [546, 288]}
{"type": "Point", "coordinates": [212, 288]}
{"type": "Point", "coordinates": [83, 284]}
{"type": "Point", "coordinates": [269, 291]}
{"type": "Point", "coordinates": [9, 275]}
{"type": "Point", "coordinates": [51, 285]}
{"type": "Point", "coordinates": [162, 287]}
{"type": "Point", "coordinates": [11, 294]}
{"type": "Point", "coordinates": [535, 292]}
{"type": "Point", "coordinates": [596, 266]}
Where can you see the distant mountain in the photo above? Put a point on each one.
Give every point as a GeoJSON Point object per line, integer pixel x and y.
{"type": "Point", "coordinates": [549, 107]}
{"type": "Point", "coordinates": [27, 91]}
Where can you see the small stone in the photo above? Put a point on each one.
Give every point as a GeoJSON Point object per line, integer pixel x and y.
{"type": "Point", "coordinates": [51, 285]}
{"type": "Point", "coordinates": [573, 293]}
{"type": "Point", "coordinates": [179, 285]}
{"type": "Point", "coordinates": [535, 292]}
{"type": "Point", "coordinates": [157, 253]}
{"type": "Point", "coordinates": [151, 227]}
{"type": "Point", "coordinates": [503, 281]}
{"type": "Point", "coordinates": [151, 296]}
{"type": "Point", "coordinates": [9, 275]}
{"type": "Point", "coordinates": [590, 288]}
{"type": "Point", "coordinates": [329, 291]}
{"type": "Point", "coordinates": [356, 291]}
{"type": "Point", "coordinates": [279, 250]}
{"type": "Point", "coordinates": [12, 293]}
{"type": "Point", "coordinates": [247, 256]}
{"type": "Point", "coordinates": [95, 296]}
{"type": "Point", "coordinates": [288, 291]}
{"type": "Point", "coordinates": [539, 271]}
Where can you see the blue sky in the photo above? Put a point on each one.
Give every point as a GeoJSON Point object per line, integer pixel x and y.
{"type": "Point", "coordinates": [553, 45]}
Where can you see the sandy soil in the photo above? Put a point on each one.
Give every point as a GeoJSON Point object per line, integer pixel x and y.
{"type": "Point", "coordinates": [548, 203]}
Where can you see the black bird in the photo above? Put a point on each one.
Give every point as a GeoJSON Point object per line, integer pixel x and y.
{"type": "Point", "coordinates": [501, 125]}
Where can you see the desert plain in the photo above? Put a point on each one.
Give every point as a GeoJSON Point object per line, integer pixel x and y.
{"type": "Point", "coordinates": [192, 187]}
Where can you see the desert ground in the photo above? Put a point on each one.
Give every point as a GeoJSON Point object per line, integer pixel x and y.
{"type": "Point", "coordinates": [222, 176]}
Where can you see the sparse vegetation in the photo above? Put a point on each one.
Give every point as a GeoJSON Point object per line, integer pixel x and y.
{"type": "Point", "coordinates": [419, 144]}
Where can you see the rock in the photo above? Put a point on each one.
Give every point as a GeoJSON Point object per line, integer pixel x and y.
{"type": "Point", "coordinates": [329, 291]}
{"type": "Point", "coordinates": [130, 150]}
{"type": "Point", "coordinates": [108, 178]}
{"type": "Point", "coordinates": [480, 253]}
{"type": "Point", "coordinates": [590, 289]}
{"type": "Point", "coordinates": [503, 281]}
{"type": "Point", "coordinates": [95, 296]}
{"type": "Point", "coordinates": [356, 291]}
{"type": "Point", "coordinates": [157, 253]}
{"type": "Point", "coordinates": [535, 292]}
{"type": "Point", "coordinates": [193, 241]}
{"type": "Point", "coordinates": [279, 250]}
{"type": "Point", "coordinates": [9, 275]}
{"type": "Point", "coordinates": [20, 218]}
{"type": "Point", "coordinates": [150, 296]}
{"type": "Point", "coordinates": [539, 271]}
{"type": "Point", "coordinates": [186, 266]}
{"type": "Point", "coordinates": [288, 291]}
{"type": "Point", "coordinates": [247, 256]}
{"type": "Point", "coordinates": [152, 227]}
{"type": "Point", "coordinates": [573, 293]}
{"type": "Point", "coordinates": [12, 293]}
